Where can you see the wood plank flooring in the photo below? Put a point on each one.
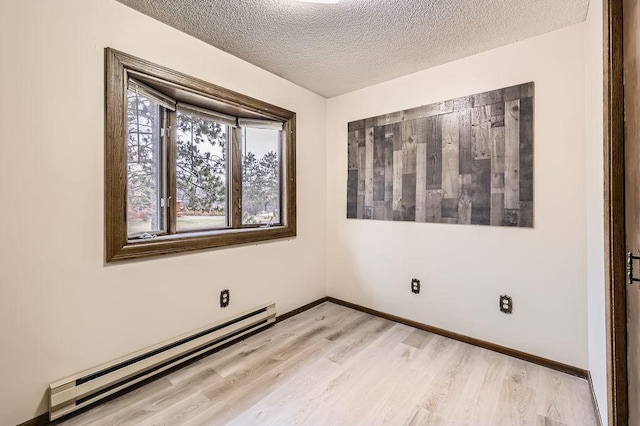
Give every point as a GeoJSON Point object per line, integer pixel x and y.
{"type": "Point", "coordinates": [335, 366]}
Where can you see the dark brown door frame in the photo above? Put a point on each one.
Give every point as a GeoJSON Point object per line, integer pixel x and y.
{"type": "Point", "coordinates": [615, 214]}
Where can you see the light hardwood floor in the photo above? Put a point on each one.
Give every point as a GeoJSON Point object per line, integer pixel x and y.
{"type": "Point", "coordinates": [335, 366]}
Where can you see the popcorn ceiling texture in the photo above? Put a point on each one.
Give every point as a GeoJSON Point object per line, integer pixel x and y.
{"type": "Point", "coordinates": [333, 49]}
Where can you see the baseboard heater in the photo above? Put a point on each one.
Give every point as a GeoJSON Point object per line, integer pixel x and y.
{"type": "Point", "coordinates": [87, 387]}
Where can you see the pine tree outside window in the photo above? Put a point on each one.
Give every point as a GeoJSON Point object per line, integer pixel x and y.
{"type": "Point", "coordinates": [190, 165]}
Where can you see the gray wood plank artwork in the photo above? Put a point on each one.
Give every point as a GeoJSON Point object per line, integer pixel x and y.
{"type": "Point", "coordinates": [467, 160]}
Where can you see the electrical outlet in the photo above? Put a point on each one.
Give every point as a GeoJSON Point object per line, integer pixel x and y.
{"type": "Point", "coordinates": [415, 285]}
{"type": "Point", "coordinates": [506, 304]}
{"type": "Point", "coordinates": [224, 298]}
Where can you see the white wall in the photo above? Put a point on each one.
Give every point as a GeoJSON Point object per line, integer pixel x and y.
{"type": "Point", "coordinates": [464, 269]}
{"type": "Point", "coordinates": [595, 206]}
{"type": "Point", "coordinates": [61, 309]}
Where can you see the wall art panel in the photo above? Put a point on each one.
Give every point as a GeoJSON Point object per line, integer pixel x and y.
{"type": "Point", "coordinates": [467, 160]}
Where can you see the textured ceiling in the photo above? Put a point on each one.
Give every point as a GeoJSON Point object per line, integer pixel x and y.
{"type": "Point", "coordinates": [336, 48]}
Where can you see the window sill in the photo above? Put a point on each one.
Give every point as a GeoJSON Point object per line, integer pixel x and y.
{"type": "Point", "coordinates": [179, 243]}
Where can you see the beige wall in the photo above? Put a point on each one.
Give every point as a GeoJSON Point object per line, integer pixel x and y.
{"type": "Point", "coordinates": [61, 309]}
{"type": "Point", "coordinates": [595, 205]}
{"type": "Point", "coordinates": [464, 269]}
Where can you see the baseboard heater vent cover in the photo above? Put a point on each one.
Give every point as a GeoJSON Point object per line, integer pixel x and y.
{"type": "Point", "coordinates": [87, 387]}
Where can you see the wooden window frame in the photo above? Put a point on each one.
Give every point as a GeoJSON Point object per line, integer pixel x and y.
{"type": "Point", "coordinates": [118, 245]}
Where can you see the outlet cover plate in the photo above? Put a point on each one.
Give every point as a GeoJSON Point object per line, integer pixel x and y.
{"type": "Point", "coordinates": [224, 298]}
{"type": "Point", "coordinates": [506, 304]}
{"type": "Point", "coordinates": [415, 285]}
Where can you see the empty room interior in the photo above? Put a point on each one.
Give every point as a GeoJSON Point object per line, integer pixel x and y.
{"type": "Point", "coordinates": [277, 212]}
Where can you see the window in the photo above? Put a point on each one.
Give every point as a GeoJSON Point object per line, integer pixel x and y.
{"type": "Point", "coordinates": [190, 165]}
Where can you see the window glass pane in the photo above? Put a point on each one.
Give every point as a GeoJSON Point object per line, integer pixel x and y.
{"type": "Point", "coordinates": [260, 176]}
{"type": "Point", "coordinates": [144, 166]}
{"type": "Point", "coordinates": [201, 173]}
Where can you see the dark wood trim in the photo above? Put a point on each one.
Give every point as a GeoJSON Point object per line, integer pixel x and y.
{"type": "Point", "coordinates": [171, 173]}
{"type": "Point", "coordinates": [289, 177]}
{"type": "Point", "coordinates": [565, 368]}
{"type": "Point", "coordinates": [301, 309]}
{"type": "Point", "coordinates": [205, 240]}
{"type": "Point", "coordinates": [41, 420]}
{"type": "Point", "coordinates": [118, 246]}
{"type": "Point", "coordinates": [235, 159]}
{"type": "Point", "coordinates": [594, 399]}
{"type": "Point", "coordinates": [115, 157]}
{"type": "Point", "coordinates": [138, 66]}
{"type": "Point", "coordinates": [614, 212]}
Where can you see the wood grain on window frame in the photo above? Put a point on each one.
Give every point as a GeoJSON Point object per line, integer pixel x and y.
{"type": "Point", "coordinates": [118, 245]}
